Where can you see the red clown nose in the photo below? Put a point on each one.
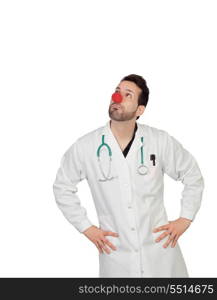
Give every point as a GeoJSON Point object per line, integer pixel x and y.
{"type": "Point", "coordinates": [116, 97]}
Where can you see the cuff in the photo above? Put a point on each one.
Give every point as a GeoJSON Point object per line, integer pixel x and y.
{"type": "Point", "coordinates": [188, 215]}
{"type": "Point", "coordinates": [82, 226]}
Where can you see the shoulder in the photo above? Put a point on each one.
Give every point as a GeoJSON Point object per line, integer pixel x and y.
{"type": "Point", "coordinates": [86, 143]}
{"type": "Point", "coordinates": [88, 137]}
{"type": "Point", "coordinates": [154, 132]}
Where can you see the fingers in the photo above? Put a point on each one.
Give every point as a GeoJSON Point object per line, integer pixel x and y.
{"type": "Point", "coordinates": [110, 244]}
{"type": "Point", "coordinates": [110, 233]}
{"type": "Point", "coordinates": [103, 246]}
{"type": "Point", "coordinates": [162, 236]}
{"type": "Point", "coordinates": [98, 247]}
{"type": "Point", "coordinates": [174, 241]}
{"type": "Point", "coordinates": [103, 242]}
{"type": "Point", "coordinates": [169, 240]}
{"type": "Point", "coordinates": [163, 227]}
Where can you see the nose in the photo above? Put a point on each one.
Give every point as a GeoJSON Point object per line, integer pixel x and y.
{"type": "Point", "coordinates": [116, 97]}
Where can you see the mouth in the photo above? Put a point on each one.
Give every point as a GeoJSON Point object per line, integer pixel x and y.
{"type": "Point", "coordinates": [115, 107]}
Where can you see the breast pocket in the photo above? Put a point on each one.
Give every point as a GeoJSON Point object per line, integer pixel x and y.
{"type": "Point", "coordinates": [153, 164]}
{"type": "Point", "coordinates": [150, 171]}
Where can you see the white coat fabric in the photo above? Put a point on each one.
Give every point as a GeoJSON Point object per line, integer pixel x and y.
{"type": "Point", "coordinates": [130, 204]}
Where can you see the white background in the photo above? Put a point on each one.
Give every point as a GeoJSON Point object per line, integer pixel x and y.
{"type": "Point", "coordinates": [60, 62]}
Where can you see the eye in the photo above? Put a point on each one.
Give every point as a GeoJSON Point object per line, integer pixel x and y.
{"type": "Point", "coordinates": [128, 94]}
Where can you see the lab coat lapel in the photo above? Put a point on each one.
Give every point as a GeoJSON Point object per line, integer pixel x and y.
{"type": "Point", "coordinates": [134, 151]}
{"type": "Point", "coordinates": [120, 160]}
{"type": "Point", "coordinates": [117, 154]}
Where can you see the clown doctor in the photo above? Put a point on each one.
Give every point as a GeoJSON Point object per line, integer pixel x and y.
{"type": "Point", "coordinates": [124, 163]}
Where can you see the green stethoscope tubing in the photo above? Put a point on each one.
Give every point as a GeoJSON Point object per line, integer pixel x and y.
{"type": "Point", "coordinates": [110, 158]}
{"type": "Point", "coordinates": [141, 151]}
{"type": "Point", "coordinates": [142, 169]}
{"type": "Point", "coordinates": [104, 144]}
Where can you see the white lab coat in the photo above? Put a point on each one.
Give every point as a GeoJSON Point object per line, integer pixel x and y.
{"type": "Point", "coordinates": [130, 204]}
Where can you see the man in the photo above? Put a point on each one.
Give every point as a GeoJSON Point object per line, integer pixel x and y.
{"type": "Point", "coordinates": [124, 163]}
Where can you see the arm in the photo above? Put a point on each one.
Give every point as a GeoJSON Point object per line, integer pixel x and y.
{"type": "Point", "coordinates": [180, 165]}
{"type": "Point", "coordinates": [69, 174]}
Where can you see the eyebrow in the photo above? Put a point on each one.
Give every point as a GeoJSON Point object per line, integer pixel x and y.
{"type": "Point", "coordinates": [117, 88]}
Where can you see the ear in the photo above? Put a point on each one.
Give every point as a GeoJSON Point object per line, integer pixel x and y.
{"type": "Point", "coordinates": [141, 109]}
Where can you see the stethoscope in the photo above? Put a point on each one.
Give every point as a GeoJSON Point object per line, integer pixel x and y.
{"type": "Point", "coordinates": [108, 177]}
{"type": "Point", "coordinates": [142, 168]}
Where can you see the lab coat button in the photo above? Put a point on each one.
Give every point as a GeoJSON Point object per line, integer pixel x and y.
{"type": "Point", "coordinates": [129, 206]}
{"type": "Point", "coordinates": [133, 228]}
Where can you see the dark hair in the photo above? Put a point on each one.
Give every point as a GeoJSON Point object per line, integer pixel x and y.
{"type": "Point", "coordinates": [141, 83]}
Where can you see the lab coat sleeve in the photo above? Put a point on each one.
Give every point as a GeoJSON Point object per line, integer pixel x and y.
{"type": "Point", "coordinates": [180, 165]}
{"type": "Point", "coordinates": [69, 174]}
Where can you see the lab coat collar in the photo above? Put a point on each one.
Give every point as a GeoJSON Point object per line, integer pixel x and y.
{"type": "Point", "coordinates": [137, 142]}
{"type": "Point", "coordinates": [141, 131]}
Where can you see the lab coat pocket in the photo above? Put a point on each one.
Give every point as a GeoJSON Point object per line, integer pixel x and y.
{"type": "Point", "coordinates": [106, 223]}
{"type": "Point", "coordinates": [153, 179]}
{"type": "Point", "coordinates": [154, 169]}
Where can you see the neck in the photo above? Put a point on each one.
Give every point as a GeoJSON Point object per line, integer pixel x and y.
{"type": "Point", "coordinates": [123, 129]}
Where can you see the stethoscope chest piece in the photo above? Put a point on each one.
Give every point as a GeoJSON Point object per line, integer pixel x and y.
{"type": "Point", "coordinates": [143, 170]}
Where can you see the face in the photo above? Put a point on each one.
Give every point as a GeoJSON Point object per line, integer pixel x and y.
{"type": "Point", "coordinates": [128, 108]}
